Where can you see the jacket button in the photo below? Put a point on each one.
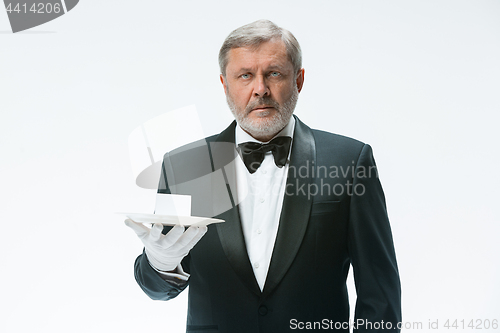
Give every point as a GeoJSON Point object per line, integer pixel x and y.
{"type": "Point", "coordinates": [262, 310]}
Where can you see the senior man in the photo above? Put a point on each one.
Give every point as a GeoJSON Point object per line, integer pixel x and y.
{"type": "Point", "coordinates": [300, 207]}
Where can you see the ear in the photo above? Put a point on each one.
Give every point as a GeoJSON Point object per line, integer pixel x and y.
{"type": "Point", "coordinates": [300, 79]}
{"type": "Point", "coordinates": [224, 84]}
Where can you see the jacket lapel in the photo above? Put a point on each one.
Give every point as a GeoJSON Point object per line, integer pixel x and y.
{"type": "Point", "coordinates": [296, 207]}
{"type": "Point", "coordinates": [230, 232]}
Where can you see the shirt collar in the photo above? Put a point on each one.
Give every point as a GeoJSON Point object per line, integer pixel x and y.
{"type": "Point", "coordinates": [242, 136]}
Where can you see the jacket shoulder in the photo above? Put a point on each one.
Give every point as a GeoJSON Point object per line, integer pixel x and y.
{"type": "Point", "coordinates": [192, 147]}
{"type": "Point", "coordinates": [336, 143]}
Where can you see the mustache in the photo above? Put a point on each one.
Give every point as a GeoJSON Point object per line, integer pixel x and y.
{"type": "Point", "coordinates": [262, 101]}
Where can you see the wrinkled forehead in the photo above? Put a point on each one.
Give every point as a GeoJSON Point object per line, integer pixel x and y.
{"type": "Point", "coordinates": [271, 53]}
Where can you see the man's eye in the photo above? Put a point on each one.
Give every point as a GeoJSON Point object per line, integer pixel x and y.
{"type": "Point", "coordinates": [245, 76]}
{"type": "Point", "coordinates": [275, 74]}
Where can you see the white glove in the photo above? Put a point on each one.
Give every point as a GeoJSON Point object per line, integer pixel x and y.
{"type": "Point", "coordinates": [165, 252]}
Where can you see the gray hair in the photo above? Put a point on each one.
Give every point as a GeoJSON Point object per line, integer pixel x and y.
{"type": "Point", "coordinates": [256, 33]}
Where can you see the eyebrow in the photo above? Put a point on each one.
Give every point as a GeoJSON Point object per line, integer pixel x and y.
{"type": "Point", "coordinates": [278, 67]}
{"type": "Point", "coordinates": [270, 68]}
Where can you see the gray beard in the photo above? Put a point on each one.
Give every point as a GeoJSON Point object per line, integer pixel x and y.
{"type": "Point", "coordinates": [267, 126]}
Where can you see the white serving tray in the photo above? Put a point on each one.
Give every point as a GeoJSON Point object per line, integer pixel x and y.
{"type": "Point", "coordinates": [171, 219]}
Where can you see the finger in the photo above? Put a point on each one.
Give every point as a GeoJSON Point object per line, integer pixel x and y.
{"type": "Point", "coordinates": [172, 236]}
{"type": "Point", "coordinates": [156, 230]}
{"type": "Point", "coordinates": [188, 240]}
{"type": "Point", "coordinates": [201, 232]}
{"type": "Point", "coordinates": [140, 229]}
{"type": "Point", "coordinates": [196, 238]}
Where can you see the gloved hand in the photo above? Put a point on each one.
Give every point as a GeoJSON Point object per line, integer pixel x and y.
{"type": "Point", "coordinates": [165, 252]}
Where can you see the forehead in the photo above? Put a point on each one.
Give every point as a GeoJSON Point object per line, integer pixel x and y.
{"type": "Point", "coordinates": [268, 54]}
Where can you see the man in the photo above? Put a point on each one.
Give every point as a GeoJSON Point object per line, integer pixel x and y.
{"type": "Point", "coordinates": [298, 211]}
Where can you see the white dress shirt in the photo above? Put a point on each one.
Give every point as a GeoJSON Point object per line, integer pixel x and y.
{"type": "Point", "coordinates": [261, 197]}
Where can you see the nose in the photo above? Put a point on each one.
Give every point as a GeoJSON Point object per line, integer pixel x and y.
{"type": "Point", "coordinates": [260, 88]}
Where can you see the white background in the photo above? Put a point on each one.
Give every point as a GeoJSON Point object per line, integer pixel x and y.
{"type": "Point", "coordinates": [418, 80]}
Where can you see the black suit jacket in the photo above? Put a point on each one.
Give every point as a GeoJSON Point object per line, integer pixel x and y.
{"type": "Point", "coordinates": [333, 216]}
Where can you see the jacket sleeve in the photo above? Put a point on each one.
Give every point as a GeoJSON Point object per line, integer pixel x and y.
{"type": "Point", "coordinates": [372, 254]}
{"type": "Point", "coordinates": [153, 284]}
{"type": "Point", "coordinates": [150, 281]}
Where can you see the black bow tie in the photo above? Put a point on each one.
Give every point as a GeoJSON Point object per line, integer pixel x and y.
{"type": "Point", "coordinates": [253, 153]}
